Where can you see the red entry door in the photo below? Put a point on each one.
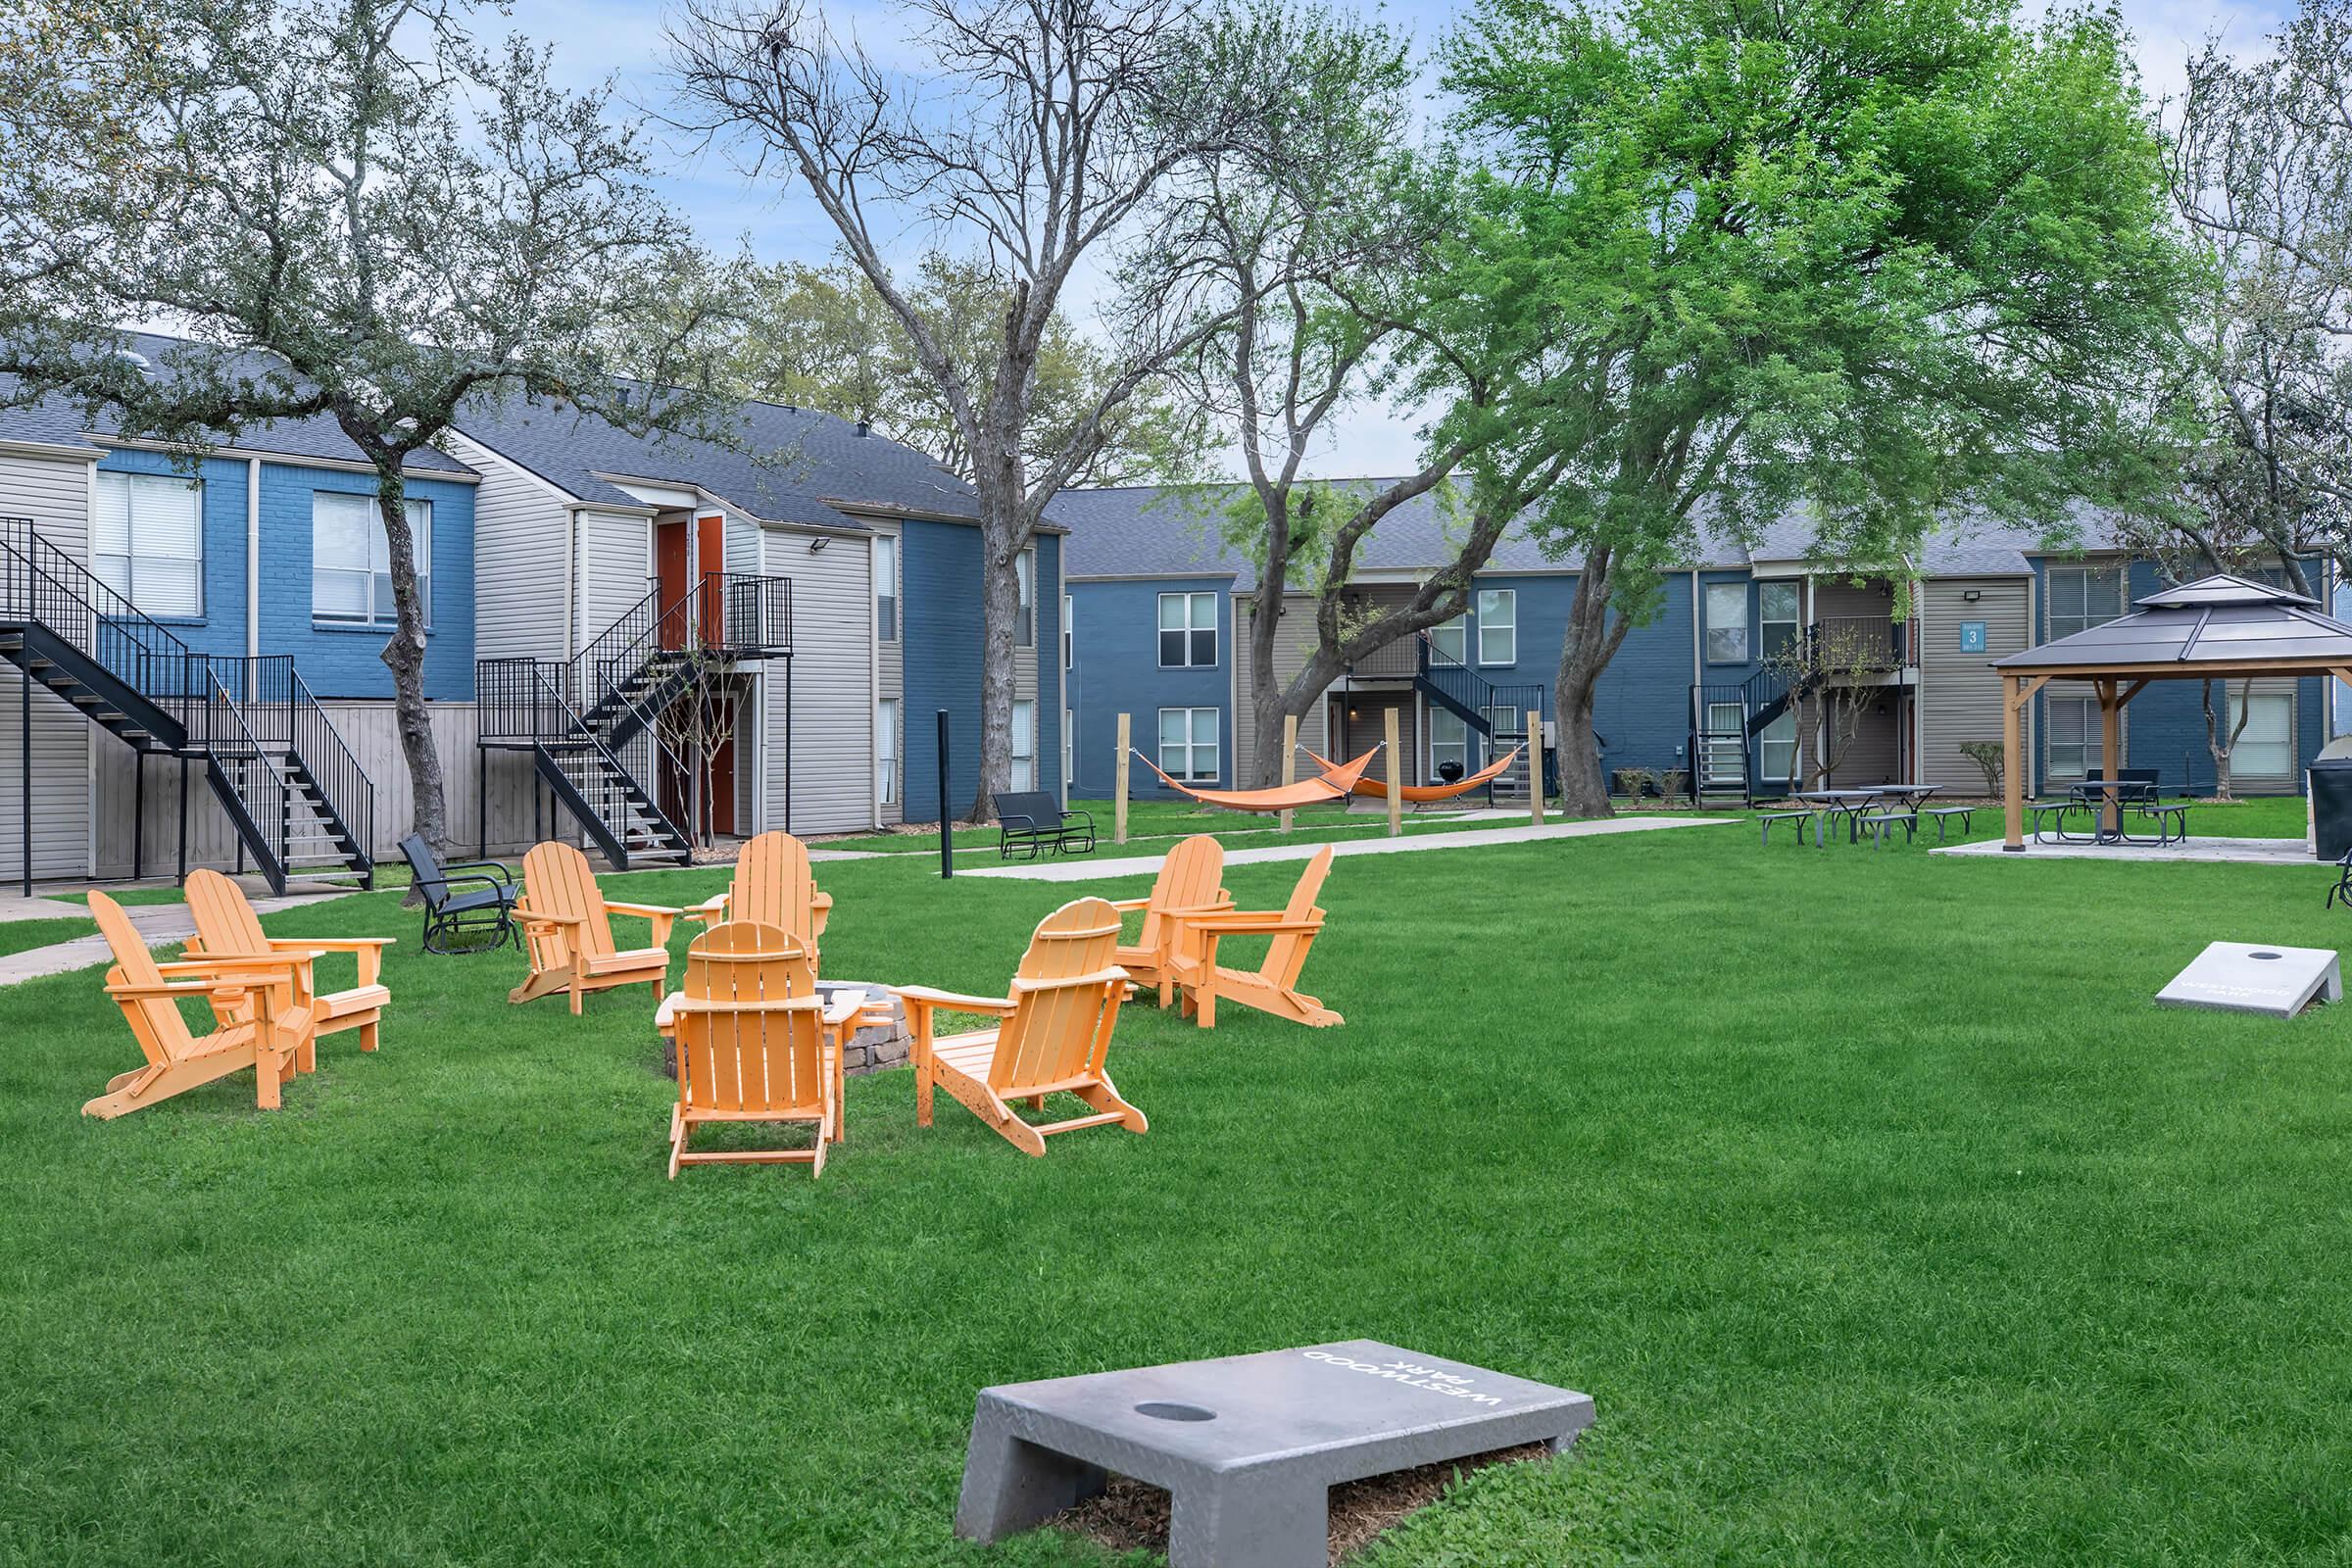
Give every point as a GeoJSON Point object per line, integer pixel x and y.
{"type": "Point", "coordinates": [710, 560]}
{"type": "Point", "coordinates": [673, 568]}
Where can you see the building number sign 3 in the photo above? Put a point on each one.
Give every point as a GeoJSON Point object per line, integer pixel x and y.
{"type": "Point", "coordinates": [1971, 636]}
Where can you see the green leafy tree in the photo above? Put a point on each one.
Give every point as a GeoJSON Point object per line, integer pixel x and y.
{"type": "Point", "coordinates": [1883, 261]}
{"type": "Point", "coordinates": [352, 210]}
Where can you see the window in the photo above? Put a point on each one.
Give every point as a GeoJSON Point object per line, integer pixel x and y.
{"type": "Point", "coordinates": [147, 541]}
{"type": "Point", "coordinates": [1452, 640]}
{"type": "Point", "coordinates": [1025, 573]}
{"type": "Point", "coordinates": [1070, 748]}
{"type": "Point", "coordinates": [1188, 744]}
{"type": "Point", "coordinates": [1776, 620]}
{"type": "Point", "coordinates": [1723, 748]}
{"type": "Point", "coordinates": [350, 560]}
{"type": "Point", "coordinates": [1024, 745]}
{"type": "Point", "coordinates": [2083, 597]}
{"type": "Point", "coordinates": [1498, 626]}
{"type": "Point", "coordinates": [1727, 623]}
{"type": "Point", "coordinates": [2267, 748]}
{"type": "Point", "coordinates": [886, 751]}
{"type": "Point", "coordinates": [2075, 739]}
{"type": "Point", "coordinates": [886, 587]}
{"type": "Point", "coordinates": [1777, 748]}
{"type": "Point", "coordinates": [1188, 630]}
{"type": "Point", "coordinates": [1069, 632]}
{"type": "Point", "coordinates": [1448, 742]}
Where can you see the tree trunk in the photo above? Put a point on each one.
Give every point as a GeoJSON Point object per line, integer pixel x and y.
{"type": "Point", "coordinates": [404, 656]}
{"type": "Point", "coordinates": [1586, 650]}
{"type": "Point", "coordinates": [1269, 699]}
{"type": "Point", "coordinates": [1000, 546]}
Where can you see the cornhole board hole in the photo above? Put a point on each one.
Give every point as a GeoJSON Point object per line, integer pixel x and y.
{"type": "Point", "coordinates": [2248, 977]}
{"type": "Point", "coordinates": [1246, 1446]}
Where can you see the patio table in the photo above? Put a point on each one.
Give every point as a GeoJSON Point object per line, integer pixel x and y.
{"type": "Point", "coordinates": [1851, 803]}
{"type": "Point", "coordinates": [2091, 795]}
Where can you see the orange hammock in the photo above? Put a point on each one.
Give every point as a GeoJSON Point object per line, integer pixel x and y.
{"type": "Point", "coordinates": [1424, 794]}
{"type": "Point", "coordinates": [1333, 785]}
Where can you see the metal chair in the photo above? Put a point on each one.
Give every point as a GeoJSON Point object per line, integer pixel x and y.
{"type": "Point", "coordinates": [458, 922]}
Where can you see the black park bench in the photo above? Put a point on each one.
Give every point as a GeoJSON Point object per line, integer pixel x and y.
{"type": "Point", "coordinates": [1033, 819]}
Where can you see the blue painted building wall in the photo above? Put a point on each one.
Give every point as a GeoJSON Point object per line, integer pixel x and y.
{"type": "Point", "coordinates": [1118, 670]}
{"type": "Point", "coordinates": [334, 661]}
{"type": "Point", "coordinates": [939, 577]}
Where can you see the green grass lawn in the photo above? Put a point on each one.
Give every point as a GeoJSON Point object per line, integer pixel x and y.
{"type": "Point", "coordinates": [126, 896]}
{"type": "Point", "coordinates": [18, 936]}
{"type": "Point", "coordinates": [1881, 1212]}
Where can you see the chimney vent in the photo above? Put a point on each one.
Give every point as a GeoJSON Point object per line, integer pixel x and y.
{"type": "Point", "coordinates": [864, 426]}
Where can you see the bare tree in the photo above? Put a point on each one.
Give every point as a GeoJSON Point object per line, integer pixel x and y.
{"type": "Point", "coordinates": [1827, 675]}
{"type": "Point", "coordinates": [356, 212]}
{"type": "Point", "coordinates": [1051, 131]}
{"type": "Point", "coordinates": [2224, 749]}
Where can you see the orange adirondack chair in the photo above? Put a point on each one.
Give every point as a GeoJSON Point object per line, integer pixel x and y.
{"type": "Point", "coordinates": [1055, 1032]}
{"type": "Point", "coordinates": [568, 931]}
{"type": "Point", "coordinates": [755, 1042]}
{"type": "Point", "coordinates": [226, 924]}
{"type": "Point", "coordinates": [1187, 886]}
{"type": "Point", "coordinates": [268, 1040]}
{"type": "Point", "coordinates": [1273, 987]}
{"type": "Point", "coordinates": [772, 886]}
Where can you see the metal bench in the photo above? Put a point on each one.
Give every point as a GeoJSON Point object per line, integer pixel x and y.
{"type": "Point", "coordinates": [1943, 814]}
{"type": "Point", "coordinates": [2058, 809]}
{"type": "Point", "coordinates": [1800, 819]}
{"type": "Point", "coordinates": [2172, 821]}
{"type": "Point", "coordinates": [475, 920]}
{"type": "Point", "coordinates": [1033, 819]}
{"type": "Point", "coordinates": [1880, 825]}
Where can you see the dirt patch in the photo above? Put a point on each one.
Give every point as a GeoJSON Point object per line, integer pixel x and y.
{"type": "Point", "coordinates": [1130, 1516]}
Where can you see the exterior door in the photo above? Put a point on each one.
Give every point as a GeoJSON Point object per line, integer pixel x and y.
{"type": "Point", "coordinates": [720, 785]}
{"type": "Point", "coordinates": [673, 568]}
{"type": "Point", "coordinates": [709, 563]}
{"type": "Point", "coordinates": [1724, 748]}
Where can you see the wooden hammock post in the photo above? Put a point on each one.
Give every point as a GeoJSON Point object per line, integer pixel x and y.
{"type": "Point", "coordinates": [1118, 810]}
{"type": "Point", "coordinates": [1396, 774]}
{"type": "Point", "coordinates": [1535, 767]}
{"type": "Point", "coordinates": [1290, 759]}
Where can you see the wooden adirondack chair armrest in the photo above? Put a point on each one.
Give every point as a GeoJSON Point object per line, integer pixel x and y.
{"type": "Point", "coordinates": [1113, 975]}
{"type": "Point", "coordinates": [844, 1006]}
{"type": "Point", "coordinates": [1195, 911]}
{"type": "Point", "coordinates": [531, 916]}
{"type": "Point", "coordinates": [1129, 906]}
{"type": "Point", "coordinates": [224, 987]}
{"type": "Point", "coordinates": [214, 963]}
{"type": "Point", "coordinates": [1242, 923]}
{"type": "Point", "coordinates": [713, 910]}
{"type": "Point", "coordinates": [680, 1006]}
{"type": "Point", "coordinates": [660, 917]}
{"type": "Point", "coordinates": [955, 1001]}
{"type": "Point", "coordinates": [370, 951]}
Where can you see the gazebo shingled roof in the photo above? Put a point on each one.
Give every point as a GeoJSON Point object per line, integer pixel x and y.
{"type": "Point", "coordinates": [2218, 627]}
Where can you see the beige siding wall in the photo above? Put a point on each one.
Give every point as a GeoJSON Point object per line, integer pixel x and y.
{"type": "Point", "coordinates": [55, 493]}
{"type": "Point", "coordinates": [1293, 642]}
{"type": "Point", "coordinates": [615, 570]}
{"type": "Point", "coordinates": [1960, 695]}
{"type": "Point", "coordinates": [519, 529]}
{"type": "Point", "coordinates": [889, 672]}
{"type": "Point", "coordinates": [830, 771]}
{"type": "Point", "coordinates": [1874, 758]}
{"type": "Point", "coordinates": [1835, 597]}
{"type": "Point", "coordinates": [369, 729]}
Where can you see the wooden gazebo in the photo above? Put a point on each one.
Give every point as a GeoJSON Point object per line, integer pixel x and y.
{"type": "Point", "coordinates": [2221, 627]}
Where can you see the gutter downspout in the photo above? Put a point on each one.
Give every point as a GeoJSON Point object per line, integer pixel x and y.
{"type": "Point", "coordinates": [252, 557]}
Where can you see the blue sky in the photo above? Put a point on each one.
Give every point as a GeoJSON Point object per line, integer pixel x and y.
{"type": "Point", "coordinates": [596, 40]}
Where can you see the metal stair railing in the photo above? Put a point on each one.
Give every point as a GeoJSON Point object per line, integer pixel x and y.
{"type": "Point", "coordinates": [566, 728]}
{"type": "Point", "coordinates": [41, 585]}
{"type": "Point", "coordinates": [344, 787]}
{"type": "Point", "coordinates": [258, 798]}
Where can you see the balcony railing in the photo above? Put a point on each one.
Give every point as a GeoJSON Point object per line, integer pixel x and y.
{"type": "Point", "coordinates": [1860, 642]}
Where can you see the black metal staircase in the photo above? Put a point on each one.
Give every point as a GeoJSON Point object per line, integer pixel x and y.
{"type": "Point", "coordinates": [1724, 750]}
{"type": "Point", "coordinates": [291, 789]}
{"type": "Point", "coordinates": [592, 723]}
{"type": "Point", "coordinates": [1497, 712]}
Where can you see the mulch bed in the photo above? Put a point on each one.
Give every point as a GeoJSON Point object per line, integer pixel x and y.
{"type": "Point", "coordinates": [1130, 1516]}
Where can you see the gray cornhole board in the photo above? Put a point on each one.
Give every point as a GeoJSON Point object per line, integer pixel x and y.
{"type": "Point", "coordinates": [1246, 1446]}
{"type": "Point", "coordinates": [2248, 977]}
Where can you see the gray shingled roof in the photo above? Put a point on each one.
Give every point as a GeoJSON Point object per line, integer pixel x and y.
{"type": "Point", "coordinates": [2215, 623]}
{"type": "Point", "coordinates": [54, 420]}
{"type": "Point", "coordinates": [792, 461]}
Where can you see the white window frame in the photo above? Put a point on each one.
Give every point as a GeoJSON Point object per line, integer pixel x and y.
{"type": "Point", "coordinates": [1490, 601]}
{"type": "Point", "coordinates": [887, 625]}
{"type": "Point", "coordinates": [1192, 744]}
{"type": "Point", "coordinates": [1451, 639]}
{"type": "Point", "coordinates": [2089, 749]}
{"type": "Point", "coordinates": [2084, 619]}
{"type": "Point", "coordinates": [1069, 632]}
{"type": "Point", "coordinates": [1446, 747]}
{"type": "Point", "coordinates": [1024, 742]}
{"type": "Point", "coordinates": [2285, 704]}
{"type": "Point", "coordinates": [1069, 750]}
{"type": "Point", "coordinates": [1795, 620]}
{"type": "Point", "coordinates": [1024, 573]}
{"type": "Point", "coordinates": [1192, 604]}
{"type": "Point", "coordinates": [1716, 748]}
{"type": "Point", "coordinates": [378, 570]}
{"type": "Point", "coordinates": [1726, 592]}
{"type": "Point", "coordinates": [1777, 738]}
{"type": "Point", "coordinates": [886, 751]}
{"type": "Point", "coordinates": [153, 497]}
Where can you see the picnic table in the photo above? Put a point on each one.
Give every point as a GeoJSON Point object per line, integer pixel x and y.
{"type": "Point", "coordinates": [1855, 804]}
{"type": "Point", "coordinates": [2093, 795]}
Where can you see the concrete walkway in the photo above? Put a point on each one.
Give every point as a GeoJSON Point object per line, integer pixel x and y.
{"type": "Point", "coordinates": [2234, 851]}
{"type": "Point", "coordinates": [1081, 871]}
{"type": "Point", "coordinates": [158, 923]}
